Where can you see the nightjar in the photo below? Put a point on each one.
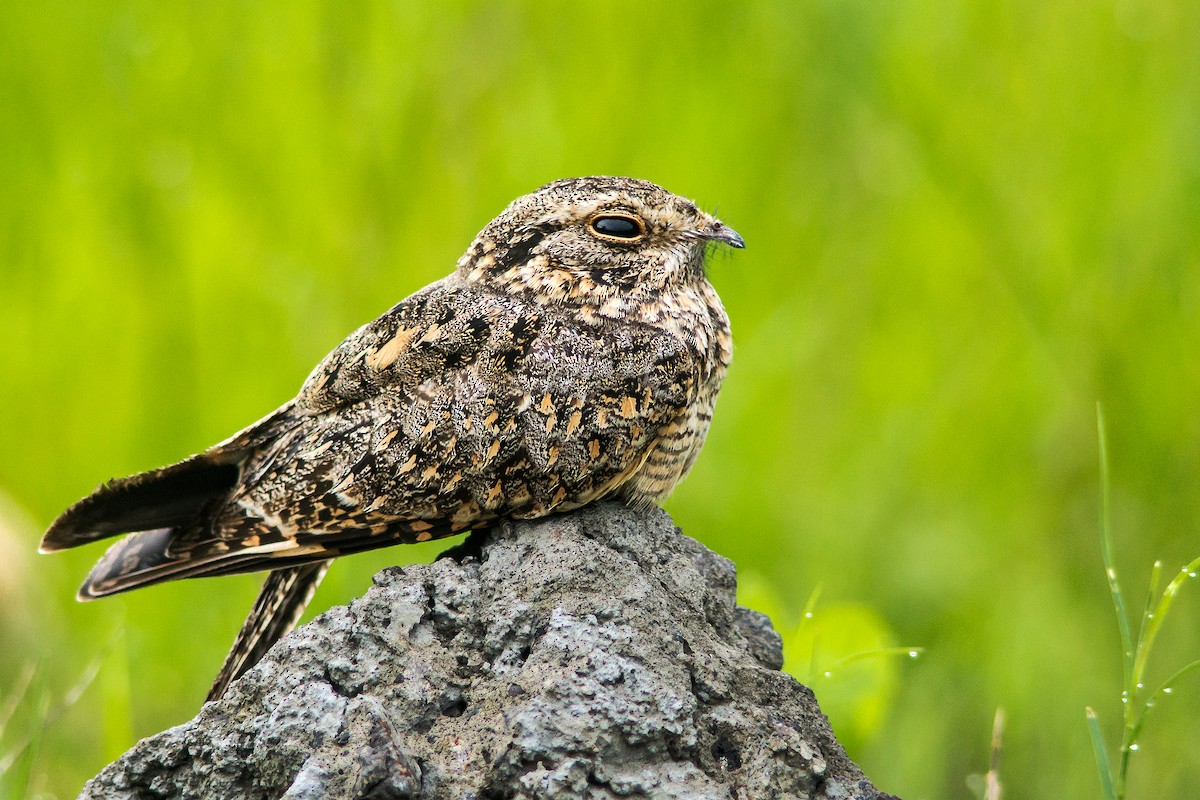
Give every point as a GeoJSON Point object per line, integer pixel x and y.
{"type": "Point", "coordinates": [574, 354]}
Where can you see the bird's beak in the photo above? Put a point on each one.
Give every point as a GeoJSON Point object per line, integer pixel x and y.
{"type": "Point", "coordinates": [718, 231]}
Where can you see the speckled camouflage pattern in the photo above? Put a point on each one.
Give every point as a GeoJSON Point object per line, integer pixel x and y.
{"type": "Point", "coordinates": [555, 366]}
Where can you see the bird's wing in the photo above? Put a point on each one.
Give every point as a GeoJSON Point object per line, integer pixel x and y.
{"type": "Point", "coordinates": [453, 409]}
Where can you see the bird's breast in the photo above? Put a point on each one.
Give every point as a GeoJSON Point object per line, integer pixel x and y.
{"type": "Point", "coordinates": [694, 315]}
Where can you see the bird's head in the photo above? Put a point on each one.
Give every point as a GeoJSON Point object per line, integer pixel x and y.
{"type": "Point", "coordinates": [589, 240]}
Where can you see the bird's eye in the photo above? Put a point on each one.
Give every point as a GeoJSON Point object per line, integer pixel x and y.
{"type": "Point", "coordinates": [618, 227]}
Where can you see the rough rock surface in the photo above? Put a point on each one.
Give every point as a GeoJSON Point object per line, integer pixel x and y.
{"type": "Point", "coordinates": [594, 655]}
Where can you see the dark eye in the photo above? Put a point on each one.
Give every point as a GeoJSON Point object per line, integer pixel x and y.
{"type": "Point", "coordinates": [618, 226]}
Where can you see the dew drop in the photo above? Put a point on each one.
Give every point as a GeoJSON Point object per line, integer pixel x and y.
{"type": "Point", "coordinates": [1134, 747]}
{"type": "Point", "coordinates": [1167, 690]}
{"type": "Point", "coordinates": [913, 654]}
{"type": "Point", "coordinates": [1140, 686]}
{"type": "Point", "coordinates": [808, 615]}
{"type": "Point", "coordinates": [828, 674]}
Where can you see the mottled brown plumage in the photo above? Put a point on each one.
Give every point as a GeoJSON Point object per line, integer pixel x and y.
{"type": "Point", "coordinates": [574, 354]}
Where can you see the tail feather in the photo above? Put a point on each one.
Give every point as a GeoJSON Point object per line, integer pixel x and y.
{"type": "Point", "coordinates": [181, 496]}
{"type": "Point", "coordinates": [149, 557]}
{"type": "Point", "coordinates": [280, 602]}
{"type": "Point", "coordinates": [153, 500]}
{"type": "Point", "coordinates": [141, 559]}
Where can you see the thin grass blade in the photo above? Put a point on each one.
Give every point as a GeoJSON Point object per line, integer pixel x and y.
{"type": "Point", "coordinates": [911, 652]}
{"type": "Point", "coordinates": [1107, 548]}
{"type": "Point", "coordinates": [1102, 764]}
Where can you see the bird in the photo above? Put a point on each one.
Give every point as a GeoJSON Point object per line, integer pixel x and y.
{"type": "Point", "coordinates": [574, 354]}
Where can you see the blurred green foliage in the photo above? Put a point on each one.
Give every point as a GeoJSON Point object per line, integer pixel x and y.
{"type": "Point", "coordinates": [967, 223]}
{"type": "Point", "coordinates": [845, 653]}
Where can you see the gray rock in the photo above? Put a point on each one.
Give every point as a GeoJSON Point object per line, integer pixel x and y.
{"type": "Point", "coordinates": [598, 654]}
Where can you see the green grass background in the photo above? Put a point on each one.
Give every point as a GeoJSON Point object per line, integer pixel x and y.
{"type": "Point", "coordinates": [967, 223]}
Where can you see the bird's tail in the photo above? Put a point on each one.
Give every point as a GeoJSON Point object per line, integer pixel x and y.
{"type": "Point", "coordinates": [278, 607]}
{"type": "Point", "coordinates": [160, 498]}
{"type": "Point", "coordinates": [178, 495]}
